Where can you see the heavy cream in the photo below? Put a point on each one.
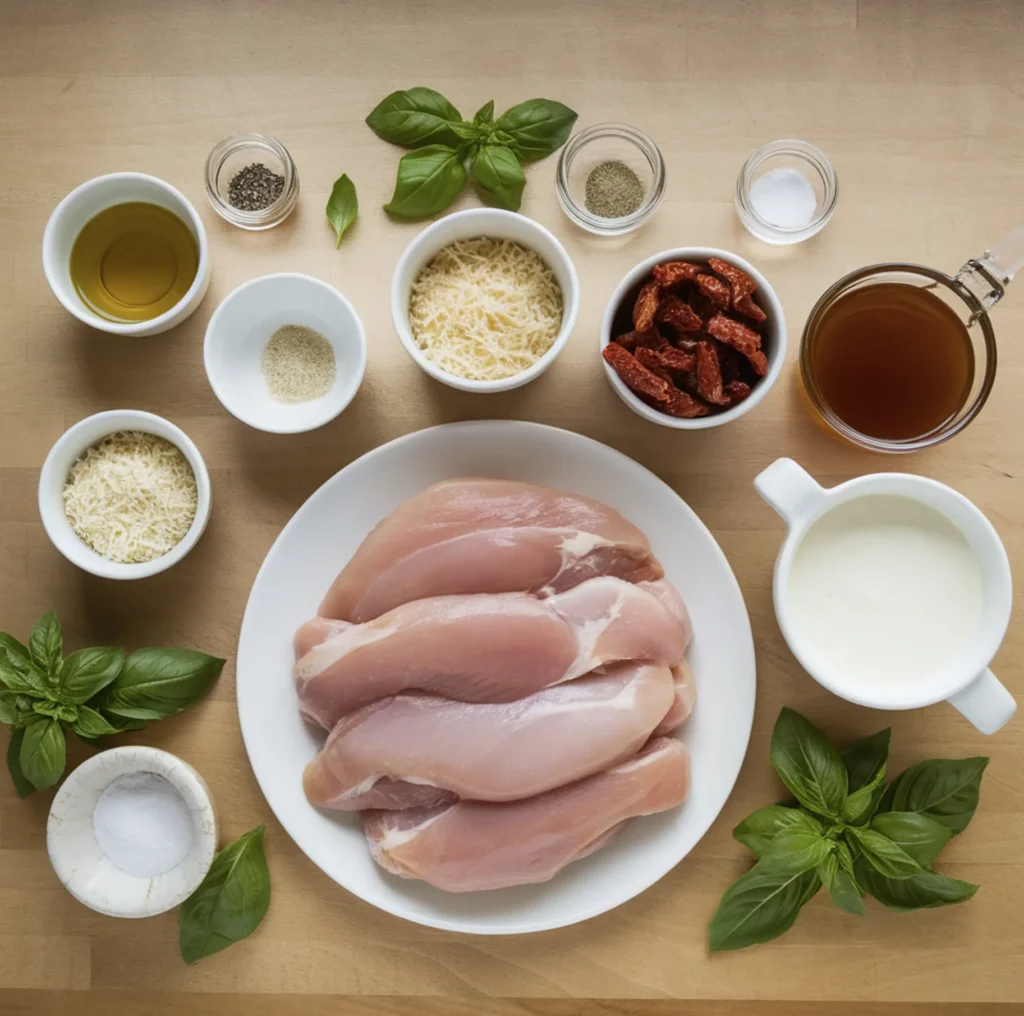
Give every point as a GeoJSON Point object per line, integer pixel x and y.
{"type": "Point", "coordinates": [884, 589]}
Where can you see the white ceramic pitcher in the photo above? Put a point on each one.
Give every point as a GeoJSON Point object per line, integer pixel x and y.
{"type": "Point", "coordinates": [965, 680]}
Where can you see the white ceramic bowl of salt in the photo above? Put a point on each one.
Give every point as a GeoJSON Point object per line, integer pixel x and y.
{"type": "Point", "coordinates": [243, 325]}
{"type": "Point", "coordinates": [132, 832]}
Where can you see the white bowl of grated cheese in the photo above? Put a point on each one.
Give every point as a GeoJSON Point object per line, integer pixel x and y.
{"type": "Point", "coordinates": [175, 507]}
{"type": "Point", "coordinates": [501, 335]}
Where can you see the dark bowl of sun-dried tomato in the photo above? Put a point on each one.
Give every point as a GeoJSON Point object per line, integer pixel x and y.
{"type": "Point", "coordinates": [693, 338]}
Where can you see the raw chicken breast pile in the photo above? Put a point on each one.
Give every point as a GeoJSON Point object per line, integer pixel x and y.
{"type": "Point", "coordinates": [497, 668]}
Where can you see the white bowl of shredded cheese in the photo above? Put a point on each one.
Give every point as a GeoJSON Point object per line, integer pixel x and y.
{"type": "Point", "coordinates": [484, 300]}
{"type": "Point", "coordinates": [124, 494]}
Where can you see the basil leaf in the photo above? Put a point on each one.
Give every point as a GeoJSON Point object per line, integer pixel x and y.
{"type": "Point", "coordinates": [42, 754]}
{"type": "Point", "coordinates": [537, 127]}
{"type": "Point", "coordinates": [865, 759]}
{"type": "Point", "coordinates": [758, 830]}
{"type": "Point", "coordinates": [159, 682]}
{"type": "Point", "coordinates": [428, 181]}
{"type": "Point", "coordinates": [46, 644]}
{"type": "Point", "coordinates": [886, 857]}
{"type": "Point", "coordinates": [917, 834]}
{"type": "Point", "coordinates": [342, 206]}
{"type": "Point", "coordinates": [87, 672]}
{"type": "Point", "coordinates": [485, 114]}
{"type": "Point", "coordinates": [798, 850]}
{"type": "Point", "coordinates": [10, 714]}
{"type": "Point", "coordinates": [842, 887]}
{"type": "Point", "coordinates": [943, 789]}
{"type": "Point", "coordinates": [18, 778]}
{"type": "Point", "coordinates": [55, 710]}
{"type": "Point", "coordinates": [123, 723]}
{"type": "Point", "coordinates": [90, 723]}
{"type": "Point", "coordinates": [923, 891]}
{"type": "Point", "coordinates": [760, 906]}
{"type": "Point", "coordinates": [415, 118]}
{"type": "Point", "coordinates": [230, 902]}
{"type": "Point", "coordinates": [808, 764]}
{"type": "Point", "coordinates": [17, 670]}
{"type": "Point", "coordinates": [498, 176]}
{"type": "Point", "coordinates": [468, 131]}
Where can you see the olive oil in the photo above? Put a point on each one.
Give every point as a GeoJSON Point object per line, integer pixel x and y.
{"type": "Point", "coordinates": [133, 262]}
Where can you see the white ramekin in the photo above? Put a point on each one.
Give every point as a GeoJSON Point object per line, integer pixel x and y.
{"type": "Point", "coordinates": [774, 337]}
{"type": "Point", "coordinates": [85, 202]}
{"type": "Point", "coordinates": [70, 446]}
{"type": "Point", "coordinates": [464, 225]}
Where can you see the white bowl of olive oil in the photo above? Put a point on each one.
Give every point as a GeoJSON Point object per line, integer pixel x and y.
{"type": "Point", "coordinates": [126, 253]}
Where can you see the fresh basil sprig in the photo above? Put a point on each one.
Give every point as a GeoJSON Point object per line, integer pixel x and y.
{"type": "Point", "coordinates": [342, 206]}
{"type": "Point", "coordinates": [848, 831]}
{"type": "Point", "coordinates": [230, 902]}
{"type": "Point", "coordinates": [434, 173]}
{"type": "Point", "coordinates": [95, 692]}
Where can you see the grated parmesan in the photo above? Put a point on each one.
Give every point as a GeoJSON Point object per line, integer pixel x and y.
{"type": "Point", "coordinates": [485, 309]}
{"type": "Point", "coordinates": [132, 497]}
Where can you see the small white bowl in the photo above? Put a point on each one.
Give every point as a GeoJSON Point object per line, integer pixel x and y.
{"type": "Point", "coordinates": [85, 202]}
{"type": "Point", "coordinates": [774, 337]}
{"type": "Point", "coordinates": [242, 326]}
{"type": "Point", "coordinates": [70, 447]}
{"type": "Point", "coordinates": [465, 225]}
{"type": "Point", "coordinates": [88, 874]}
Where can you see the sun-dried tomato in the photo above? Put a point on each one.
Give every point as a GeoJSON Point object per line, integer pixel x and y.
{"type": "Point", "coordinates": [709, 375]}
{"type": "Point", "coordinates": [678, 359]}
{"type": "Point", "coordinates": [634, 374]}
{"type": "Point", "coordinates": [646, 305]}
{"type": "Point", "coordinates": [745, 305]}
{"type": "Point", "coordinates": [678, 314]}
{"type": "Point", "coordinates": [651, 359]}
{"type": "Point", "coordinates": [672, 272]}
{"type": "Point", "coordinates": [736, 392]}
{"type": "Point", "coordinates": [759, 362]}
{"type": "Point", "coordinates": [734, 333]}
{"type": "Point", "coordinates": [651, 338]}
{"type": "Point", "coordinates": [742, 284]}
{"type": "Point", "coordinates": [684, 405]}
{"type": "Point", "coordinates": [729, 362]}
{"type": "Point", "coordinates": [715, 290]}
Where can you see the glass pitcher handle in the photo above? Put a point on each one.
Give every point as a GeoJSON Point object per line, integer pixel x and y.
{"type": "Point", "coordinates": [988, 276]}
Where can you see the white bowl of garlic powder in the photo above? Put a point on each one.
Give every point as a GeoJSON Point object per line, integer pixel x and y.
{"type": "Point", "coordinates": [132, 832]}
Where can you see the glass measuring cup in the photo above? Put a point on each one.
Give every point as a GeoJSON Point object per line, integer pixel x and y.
{"type": "Point", "coordinates": [969, 294]}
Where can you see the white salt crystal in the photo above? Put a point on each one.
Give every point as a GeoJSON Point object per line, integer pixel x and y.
{"type": "Point", "coordinates": [143, 825]}
{"type": "Point", "coordinates": [784, 197]}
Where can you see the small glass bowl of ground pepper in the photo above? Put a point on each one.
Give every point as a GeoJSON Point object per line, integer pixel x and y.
{"type": "Point", "coordinates": [252, 181]}
{"type": "Point", "coordinates": [611, 179]}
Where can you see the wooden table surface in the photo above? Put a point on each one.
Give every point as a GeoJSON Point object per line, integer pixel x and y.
{"type": "Point", "coordinates": [920, 105]}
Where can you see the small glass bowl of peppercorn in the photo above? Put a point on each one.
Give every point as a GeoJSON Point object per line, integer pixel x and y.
{"type": "Point", "coordinates": [252, 181]}
{"type": "Point", "coordinates": [611, 179]}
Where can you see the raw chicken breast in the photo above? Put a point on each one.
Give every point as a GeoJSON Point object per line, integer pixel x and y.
{"type": "Point", "coordinates": [421, 745]}
{"type": "Point", "coordinates": [682, 702]}
{"type": "Point", "coordinates": [487, 536]}
{"type": "Point", "coordinates": [486, 648]}
{"type": "Point", "coordinates": [314, 631]}
{"type": "Point", "coordinates": [472, 845]}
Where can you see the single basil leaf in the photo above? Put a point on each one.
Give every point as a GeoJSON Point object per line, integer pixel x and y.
{"type": "Point", "coordinates": [917, 834]}
{"type": "Point", "coordinates": [55, 710]}
{"type": "Point", "coordinates": [862, 802]}
{"type": "Point", "coordinates": [10, 714]}
{"type": "Point", "coordinates": [468, 132]}
{"type": "Point", "coordinates": [536, 127]}
{"type": "Point", "coordinates": [160, 681]}
{"type": "Point", "coordinates": [230, 902]}
{"type": "Point", "coordinates": [415, 118]}
{"type": "Point", "coordinates": [18, 778]}
{"type": "Point", "coordinates": [17, 670]}
{"type": "Point", "coordinates": [886, 857]}
{"type": "Point", "coordinates": [42, 754]}
{"type": "Point", "coordinates": [844, 855]}
{"type": "Point", "coordinates": [865, 759]}
{"type": "Point", "coordinates": [760, 906]}
{"type": "Point", "coordinates": [429, 180]}
{"type": "Point", "coordinates": [485, 114]}
{"type": "Point", "coordinates": [90, 724]}
{"type": "Point", "coordinates": [845, 892]}
{"type": "Point", "coordinates": [87, 672]}
{"type": "Point", "coordinates": [758, 830]}
{"type": "Point", "coordinates": [342, 206]}
{"type": "Point", "coordinates": [123, 723]}
{"type": "Point", "coordinates": [498, 176]}
{"type": "Point", "coordinates": [808, 764]}
{"type": "Point", "coordinates": [46, 644]}
{"type": "Point", "coordinates": [943, 789]}
{"type": "Point", "coordinates": [919, 892]}
{"type": "Point", "coordinates": [798, 850]}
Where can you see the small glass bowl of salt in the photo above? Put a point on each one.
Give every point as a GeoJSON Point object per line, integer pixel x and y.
{"type": "Point", "coordinates": [786, 192]}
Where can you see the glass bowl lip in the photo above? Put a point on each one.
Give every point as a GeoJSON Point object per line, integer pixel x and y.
{"type": "Point", "coordinates": [943, 432]}
{"type": "Point", "coordinates": [264, 217]}
{"type": "Point", "coordinates": [810, 154]}
{"type": "Point", "coordinates": [579, 213]}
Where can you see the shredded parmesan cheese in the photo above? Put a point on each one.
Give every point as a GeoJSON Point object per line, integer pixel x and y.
{"type": "Point", "coordinates": [485, 309]}
{"type": "Point", "coordinates": [132, 497]}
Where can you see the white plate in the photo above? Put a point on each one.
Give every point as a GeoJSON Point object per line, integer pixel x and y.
{"type": "Point", "coordinates": [323, 535]}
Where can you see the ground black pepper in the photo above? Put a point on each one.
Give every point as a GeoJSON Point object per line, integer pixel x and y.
{"type": "Point", "coordinates": [255, 188]}
{"type": "Point", "coordinates": [613, 190]}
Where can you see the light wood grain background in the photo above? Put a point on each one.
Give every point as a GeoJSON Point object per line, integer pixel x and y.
{"type": "Point", "coordinates": [920, 104]}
